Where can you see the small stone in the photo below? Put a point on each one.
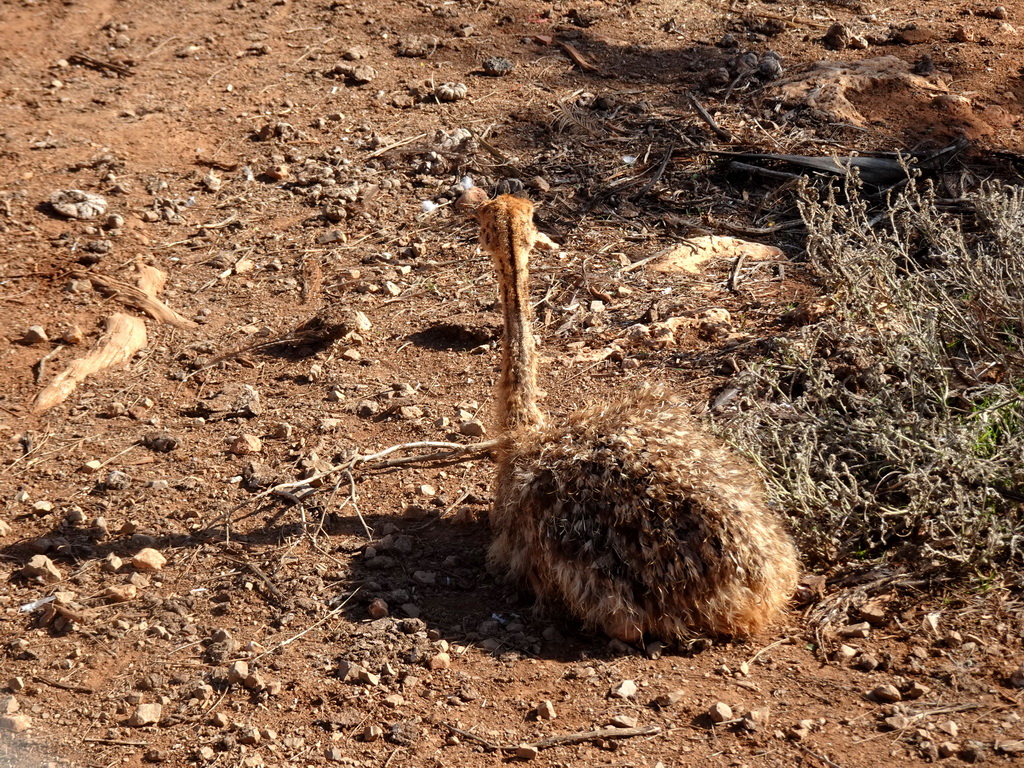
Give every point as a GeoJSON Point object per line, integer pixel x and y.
{"type": "Point", "coordinates": [160, 442]}
{"type": "Point", "coordinates": [622, 721]}
{"type": "Point", "coordinates": [35, 334]}
{"type": "Point", "coordinates": [372, 733]}
{"type": "Point", "coordinates": [5, 529]}
{"type": "Point", "coordinates": [149, 560]}
{"type": "Point", "coordinates": [121, 594]}
{"type": "Point", "coordinates": [378, 609]}
{"type": "Point", "coordinates": [755, 720]}
{"type": "Point", "coordinates": [1017, 677]}
{"type": "Point", "coordinates": [335, 755]}
{"type": "Point", "coordinates": [798, 732]}
{"type": "Point", "coordinates": [960, 35]}
{"type": "Point", "coordinates": [526, 752]}
{"type": "Point", "coordinates": [394, 700]}
{"type": "Point", "coordinates": [207, 754]}
{"type": "Point", "coordinates": [15, 723]}
{"type": "Point", "coordinates": [220, 720]}
{"type": "Point", "coordinates": [16, 684]}
{"type": "Point", "coordinates": [873, 613]}
{"type": "Point", "coordinates": [916, 690]}
{"type": "Point", "coordinates": [999, 12]}
{"type": "Point", "coordinates": [366, 676]}
{"type": "Point", "coordinates": [720, 712]}
{"type": "Point", "coordinates": [90, 467]}
{"type": "Point", "coordinates": [472, 428]}
{"type": "Point", "coordinates": [72, 335]}
{"type": "Point", "coordinates": [625, 690]}
{"type": "Point", "coordinates": [145, 714]}
{"type": "Point", "coordinates": [669, 699]}
{"type": "Point", "coordinates": [898, 722]}
{"type": "Point", "coordinates": [8, 705]}
{"type": "Point", "coordinates": [43, 507]}
{"type": "Point", "coordinates": [425, 578]}
{"type": "Point", "coordinates": [116, 480]}
{"type": "Point", "coordinates": [157, 755]}
{"type": "Point", "coordinates": [861, 630]}
{"type": "Point", "coordinates": [42, 569]}
{"type": "Point", "coordinates": [546, 710]}
{"type": "Point", "coordinates": [410, 412]}
{"type": "Point", "coordinates": [845, 653]}
{"type": "Point", "coordinates": [948, 749]}
{"type": "Point", "coordinates": [238, 672]}
{"type": "Point", "coordinates": [497, 66]}
{"type": "Point", "coordinates": [278, 171]}
{"type": "Point", "coordinates": [950, 728]}
{"type": "Point", "coordinates": [245, 445]}
{"type": "Point", "coordinates": [887, 693]}
{"type": "Point", "coordinates": [867, 662]}
{"type": "Point", "coordinates": [1009, 747]}
{"type": "Point", "coordinates": [440, 661]}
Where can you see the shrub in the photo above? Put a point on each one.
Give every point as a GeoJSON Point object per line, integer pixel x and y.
{"type": "Point", "coordinates": [894, 427]}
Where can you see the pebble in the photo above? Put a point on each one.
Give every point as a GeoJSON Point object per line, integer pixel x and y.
{"type": "Point", "coordinates": [378, 609]}
{"type": "Point", "coordinates": [112, 563]}
{"type": "Point", "coordinates": [8, 705]}
{"type": "Point", "coordinates": [625, 690]}
{"type": "Point", "coordinates": [42, 568]}
{"type": "Point", "coordinates": [473, 428]}
{"type": "Point", "coordinates": [949, 728]}
{"type": "Point", "coordinates": [948, 749]}
{"type": "Point", "coordinates": [888, 693]}
{"type": "Point", "coordinates": [76, 204]}
{"type": "Point", "coordinates": [861, 630]}
{"type": "Point", "coordinates": [526, 752]}
{"type": "Point", "coordinates": [43, 507]}
{"type": "Point", "coordinates": [5, 529]}
{"type": "Point", "coordinates": [425, 578]}
{"type": "Point", "coordinates": [120, 594]}
{"type": "Point", "coordinates": [1017, 677]}
{"type": "Point", "coordinates": [622, 721]}
{"type": "Point", "coordinates": [440, 661]}
{"type": "Point", "coordinates": [546, 710]}
{"type": "Point", "coordinates": [238, 672]}
{"type": "Point", "coordinates": [244, 445]}
{"type": "Point", "coordinates": [160, 442]}
{"type": "Point", "coordinates": [15, 723]}
{"type": "Point", "coordinates": [149, 559]}
{"type": "Point", "coordinates": [35, 334]}
{"type": "Point", "coordinates": [720, 712]}
{"type": "Point", "coordinates": [16, 684]}
{"type": "Point", "coordinates": [845, 653]}
{"type": "Point", "coordinates": [158, 755]}
{"type": "Point", "coordinates": [145, 714]}
{"type": "Point", "coordinates": [116, 480]}
{"type": "Point", "coordinates": [755, 719]}
{"type": "Point", "coordinates": [669, 699]}
{"type": "Point", "coordinates": [999, 12]}
{"type": "Point", "coordinates": [372, 733]}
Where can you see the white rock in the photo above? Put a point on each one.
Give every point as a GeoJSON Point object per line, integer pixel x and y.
{"type": "Point", "coordinates": [149, 559]}
{"type": "Point", "coordinates": [624, 690]}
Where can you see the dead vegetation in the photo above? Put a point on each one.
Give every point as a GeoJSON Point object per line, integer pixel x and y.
{"type": "Point", "coordinates": [892, 427]}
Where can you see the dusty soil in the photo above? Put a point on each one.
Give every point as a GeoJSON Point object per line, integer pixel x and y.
{"type": "Point", "coordinates": [244, 152]}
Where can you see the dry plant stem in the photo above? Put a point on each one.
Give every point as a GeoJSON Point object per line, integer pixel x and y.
{"type": "Point", "coordinates": [449, 452]}
{"type": "Point", "coordinates": [568, 738]}
{"type": "Point", "coordinates": [823, 759]}
{"type": "Point", "coordinates": [310, 628]}
{"type": "Point", "coordinates": [139, 298]}
{"type": "Point", "coordinates": [720, 132]}
{"type": "Point", "coordinates": [117, 742]}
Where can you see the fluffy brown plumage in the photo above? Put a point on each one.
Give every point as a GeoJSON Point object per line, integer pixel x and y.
{"type": "Point", "coordinates": [627, 514]}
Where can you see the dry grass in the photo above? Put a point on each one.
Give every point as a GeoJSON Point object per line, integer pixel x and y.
{"type": "Point", "coordinates": [894, 427]}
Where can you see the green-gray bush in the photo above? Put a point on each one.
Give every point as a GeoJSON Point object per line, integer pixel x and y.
{"type": "Point", "coordinates": [895, 426]}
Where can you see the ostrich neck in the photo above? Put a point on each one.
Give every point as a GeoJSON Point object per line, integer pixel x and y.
{"type": "Point", "coordinates": [518, 383]}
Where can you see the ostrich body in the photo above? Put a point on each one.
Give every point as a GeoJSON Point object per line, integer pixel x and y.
{"type": "Point", "coordinates": [627, 513]}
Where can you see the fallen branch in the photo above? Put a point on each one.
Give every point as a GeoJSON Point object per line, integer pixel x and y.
{"type": "Point", "coordinates": [446, 452]}
{"type": "Point", "coordinates": [557, 741]}
{"type": "Point", "coordinates": [720, 132]}
{"type": "Point", "coordinates": [150, 282]}
{"type": "Point", "coordinates": [577, 57]}
{"type": "Point", "coordinates": [62, 686]}
{"type": "Point", "coordinates": [124, 336]}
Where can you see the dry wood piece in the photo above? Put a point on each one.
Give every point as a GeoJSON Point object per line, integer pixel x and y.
{"type": "Point", "coordinates": [124, 336]}
{"type": "Point", "coordinates": [568, 738]}
{"type": "Point", "coordinates": [150, 281]}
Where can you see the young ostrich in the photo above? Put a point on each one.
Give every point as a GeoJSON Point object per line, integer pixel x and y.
{"type": "Point", "coordinates": [627, 513]}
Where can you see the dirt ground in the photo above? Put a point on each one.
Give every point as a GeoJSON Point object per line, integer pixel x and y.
{"type": "Point", "coordinates": [286, 163]}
